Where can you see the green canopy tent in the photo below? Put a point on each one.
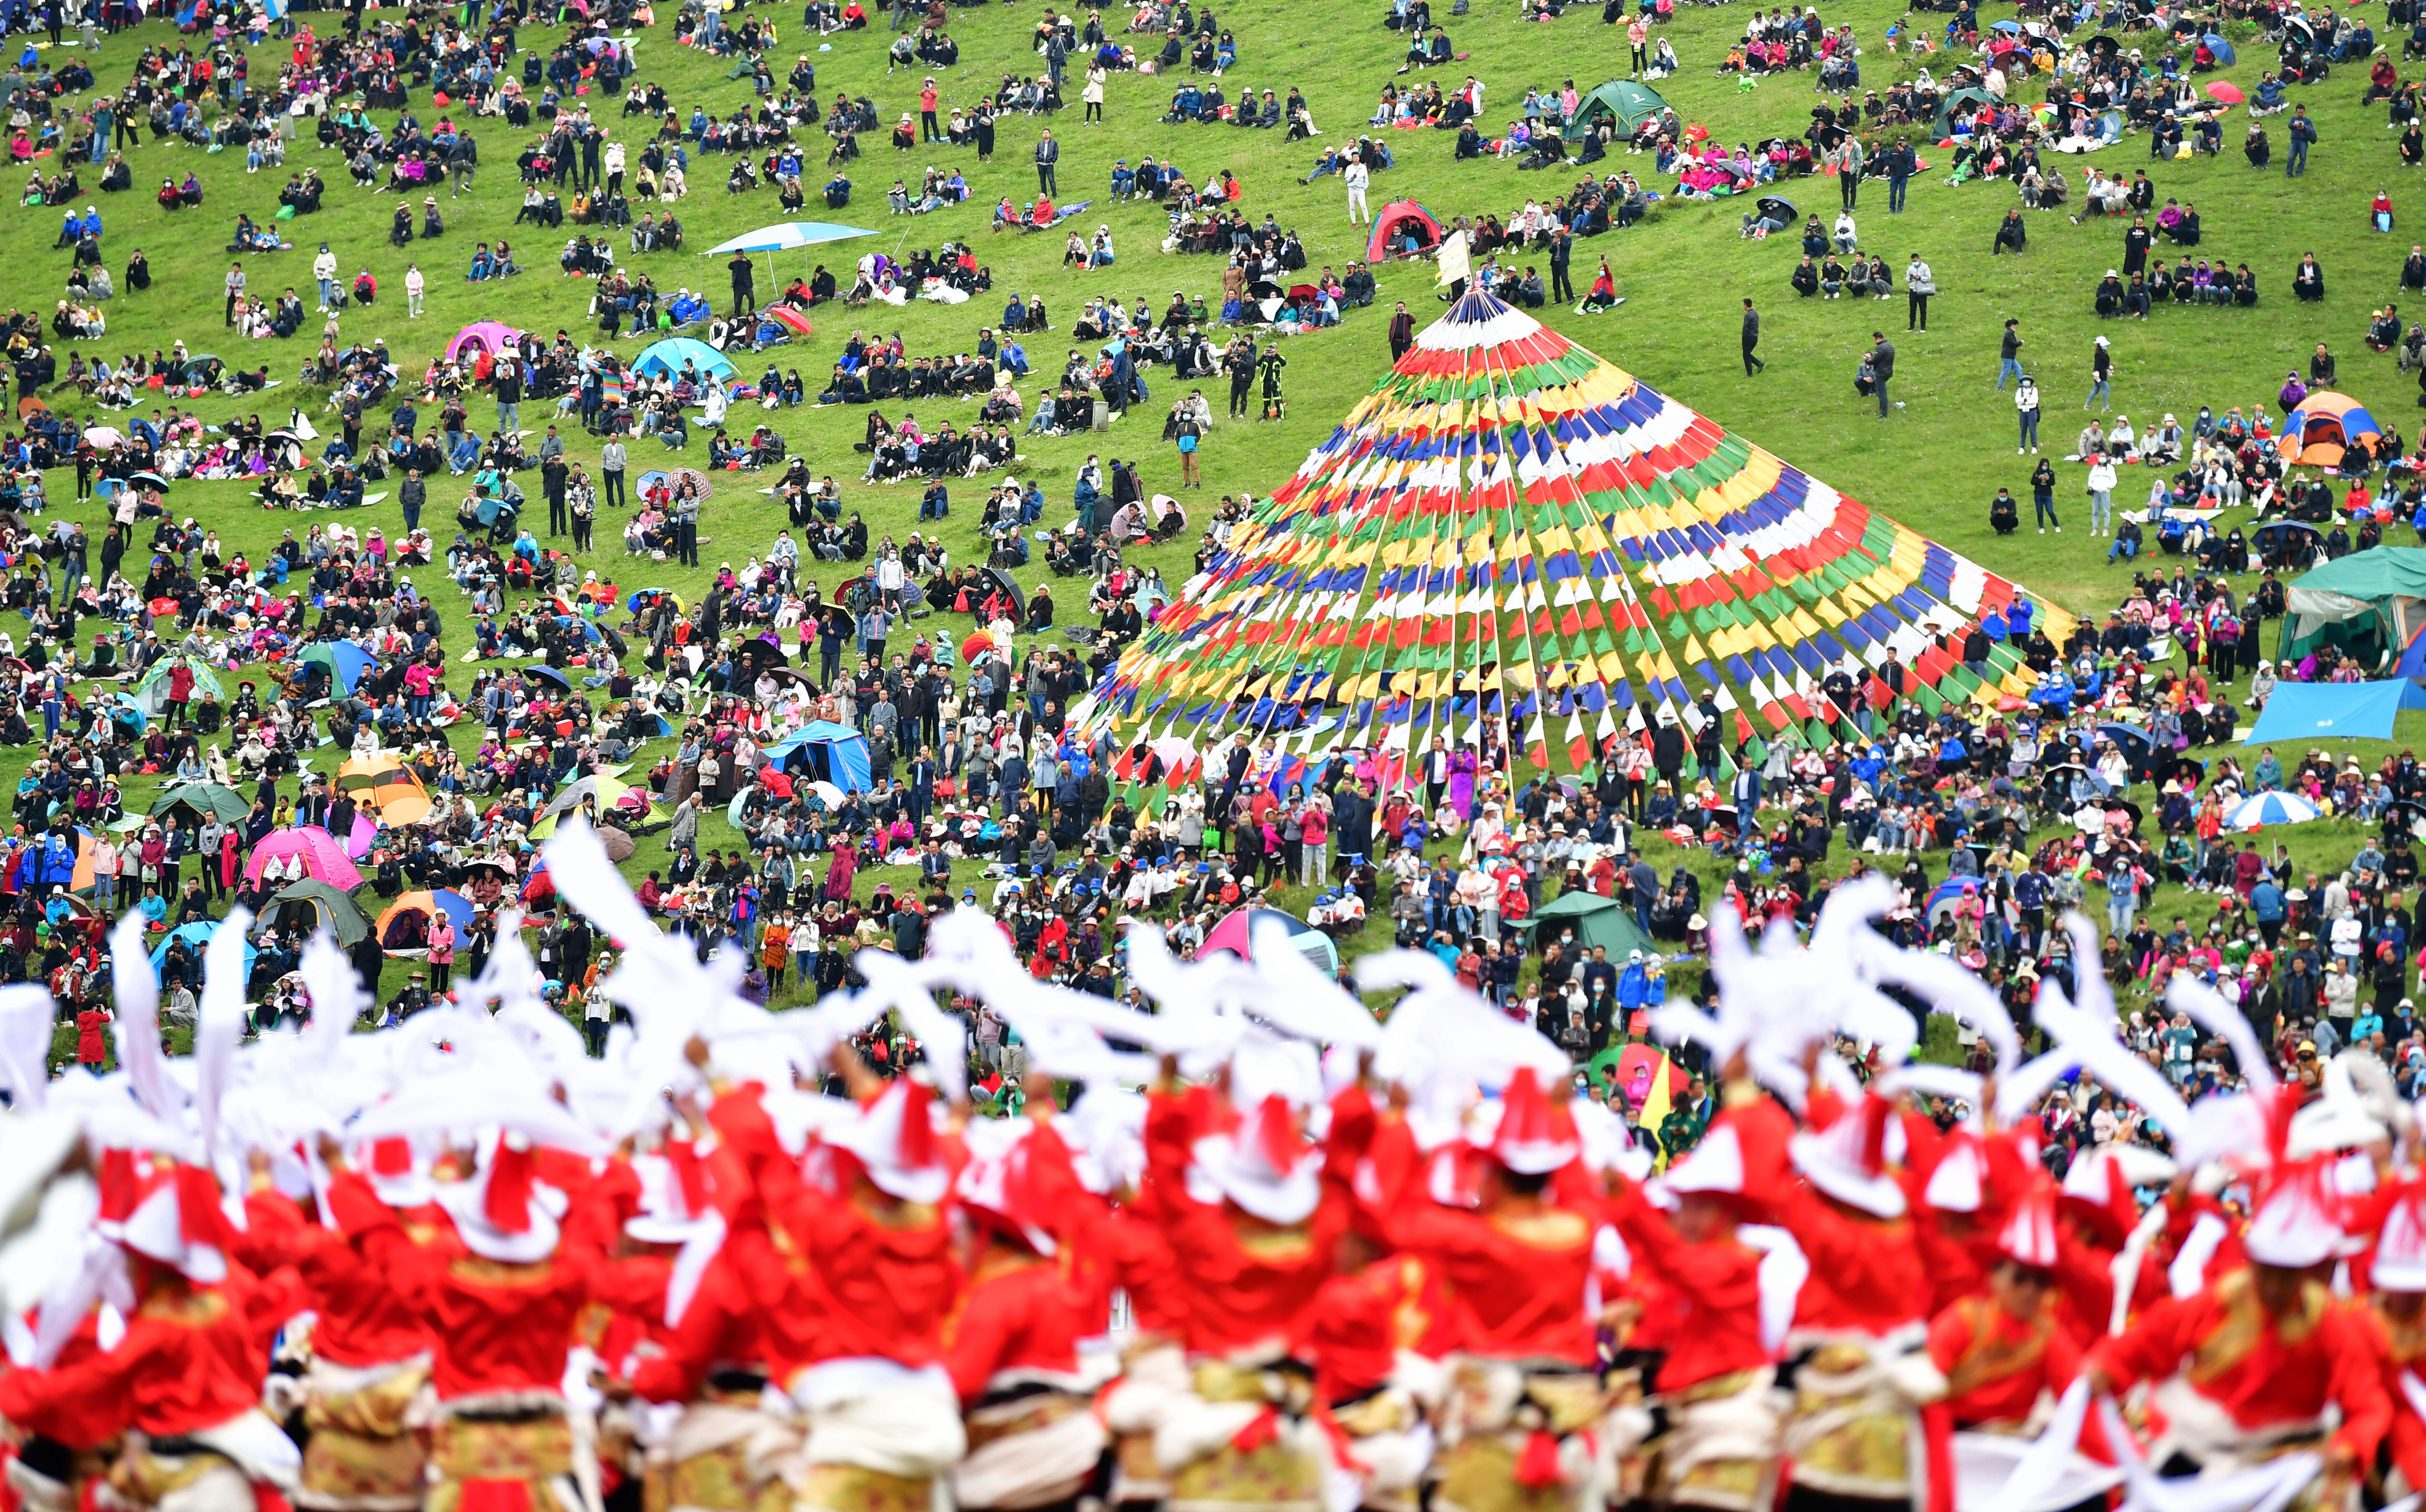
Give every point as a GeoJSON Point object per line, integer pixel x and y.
{"type": "Point", "coordinates": [1629, 102]}
{"type": "Point", "coordinates": [1598, 921]}
{"type": "Point", "coordinates": [2371, 603]}
{"type": "Point", "coordinates": [203, 800]}
{"type": "Point", "coordinates": [1944, 117]}
{"type": "Point", "coordinates": [316, 906]}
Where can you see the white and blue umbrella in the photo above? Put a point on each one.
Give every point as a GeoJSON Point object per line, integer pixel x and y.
{"type": "Point", "coordinates": [791, 233]}
{"type": "Point", "coordinates": [785, 236]}
{"type": "Point", "coordinates": [2270, 809]}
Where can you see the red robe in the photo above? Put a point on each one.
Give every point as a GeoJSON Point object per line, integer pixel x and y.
{"type": "Point", "coordinates": [498, 1328]}
{"type": "Point", "coordinates": [1705, 1303]}
{"type": "Point", "coordinates": [1996, 1365]}
{"type": "Point", "coordinates": [194, 1357]}
{"type": "Point", "coordinates": [1244, 1281]}
{"type": "Point", "coordinates": [2262, 1370]}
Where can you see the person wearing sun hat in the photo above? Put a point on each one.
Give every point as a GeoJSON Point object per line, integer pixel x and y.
{"type": "Point", "coordinates": [886, 1421]}
{"type": "Point", "coordinates": [2003, 1346]}
{"type": "Point", "coordinates": [1013, 1349]}
{"type": "Point", "coordinates": [1252, 1212]}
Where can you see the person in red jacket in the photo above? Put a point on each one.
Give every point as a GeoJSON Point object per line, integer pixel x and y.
{"type": "Point", "coordinates": [500, 1287]}
{"type": "Point", "coordinates": [875, 1228]}
{"type": "Point", "coordinates": [1012, 1345]}
{"type": "Point", "coordinates": [2004, 1348]}
{"type": "Point", "coordinates": [2246, 1368]}
{"type": "Point", "coordinates": [2395, 1320]}
{"type": "Point", "coordinates": [1856, 1432]}
{"type": "Point", "coordinates": [1705, 1307]}
{"type": "Point", "coordinates": [1527, 1406]}
{"type": "Point", "coordinates": [189, 1370]}
{"type": "Point", "coordinates": [1252, 1212]}
{"type": "Point", "coordinates": [370, 1351]}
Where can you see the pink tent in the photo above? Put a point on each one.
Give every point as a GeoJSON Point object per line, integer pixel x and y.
{"type": "Point", "coordinates": [324, 857]}
{"type": "Point", "coordinates": [490, 334]}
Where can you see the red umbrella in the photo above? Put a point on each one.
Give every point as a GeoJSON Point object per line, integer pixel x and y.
{"type": "Point", "coordinates": [161, 607]}
{"type": "Point", "coordinates": [2229, 93]}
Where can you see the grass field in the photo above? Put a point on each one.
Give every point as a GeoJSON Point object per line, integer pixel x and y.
{"type": "Point", "coordinates": [1935, 465]}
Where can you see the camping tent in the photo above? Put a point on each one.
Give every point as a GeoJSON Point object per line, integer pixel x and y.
{"type": "Point", "coordinates": [669, 355]}
{"type": "Point", "coordinates": [1632, 104]}
{"type": "Point", "coordinates": [491, 336]}
{"type": "Point", "coordinates": [1598, 921]}
{"type": "Point", "coordinates": [1401, 217]}
{"type": "Point", "coordinates": [315, 904]}
{"type": "Point", "coordinates": [2344, 711]}
{"type": "Point", "coordinates": [2325, 424]}
{"type": "Point", "coordinates": [2368, 603]}
{"type": "Point", "coordinates": [1943, 121]}
{"type": "Point", "coordinates": [825, 753]}
{"type": "Point", "coordinates": [1235, 934]}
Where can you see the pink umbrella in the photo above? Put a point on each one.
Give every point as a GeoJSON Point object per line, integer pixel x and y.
{"type": "Point", "coordinates": [358, 844]}
{"type": "Point", "coordinates": [324, 859]}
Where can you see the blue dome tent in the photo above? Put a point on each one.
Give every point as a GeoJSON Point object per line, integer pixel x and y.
{"type": "Point", "coordinates": [824, 752]}
{"type": "Point", "coordinates": [669, 355]}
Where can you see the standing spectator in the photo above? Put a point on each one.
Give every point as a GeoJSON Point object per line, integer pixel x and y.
{"type": "Point", "coordinates": [1049, 152]}
{"type": "Point", "coordinates": [1881, 367]}
{"type": "Point", "coordinates": [234, 282]}
{"type": "Point", "coordinates": [2101, 374]}
{"type": "Point", "coordinates": [1357, 176]}
{"type": "Point", "coordinates": [1403, 338]}
{"type": "Point", "coordinates": [1753, 362]}
{"type": "Point", "coordinates": [413, 284]}
{"type": "Point", "coordinates": [612, 459]}
{"type": "Point", "coordinates": [1918, 284]}
{"type": "Point", "coordinates": [2026, 402]}
{"type": "Point", "coordinates": [2304, 135]}
{"type": "Point", "coordinates": [1091, 95]}
{"type": "Point", "coordinates": [2009, 355]}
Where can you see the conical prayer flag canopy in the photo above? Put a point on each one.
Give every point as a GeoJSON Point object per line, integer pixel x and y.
{"type": "Point", "coordinates": [1508, 527]}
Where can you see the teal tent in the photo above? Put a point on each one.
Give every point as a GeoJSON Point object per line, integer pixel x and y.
{"type": "Point", "coordinates": [1598, 921]}
{"type": "Point", "coordinates": [1623, 103]}
{"type": "Point", "coordinates": [2371, 604]}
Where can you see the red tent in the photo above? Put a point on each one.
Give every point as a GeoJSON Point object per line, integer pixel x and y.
{"type": "Point", "coordinates": [1398, 220]}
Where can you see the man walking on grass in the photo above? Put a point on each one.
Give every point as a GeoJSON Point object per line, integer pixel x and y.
{"type": "Point", "coordinates": [1752, 339]}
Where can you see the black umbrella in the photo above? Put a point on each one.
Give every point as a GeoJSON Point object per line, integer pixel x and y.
{"type": "Point", "coordinates": [1009, 584]}
{"type": "Point", "coordinates": [1772, 207]}
{"type": "Point", "coordinates": [614, 642]}
{"type": "Point", "coordinates": [2128, 807]}
{"type": "Point", "coordinates": [541, 669]}
{"type": "Point", "coordinates": [2189, 774]}
{"type": "Point", "coordinates": [283, 434]}
{"type": "Point", "coordinates": [2105, 44]}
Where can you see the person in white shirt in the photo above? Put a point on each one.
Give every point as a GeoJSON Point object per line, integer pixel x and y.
{"type": "Point", "coordinates": [413, 284]}
{"type": "Point", "coordinates": [324, 268]}
{"type": "Point", "coordinates": [1357, 177]}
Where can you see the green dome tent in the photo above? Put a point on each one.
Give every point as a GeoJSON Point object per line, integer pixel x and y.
{"type": "Point", "coordinates": [1632, 104]}
{"type": "Point", "coordinates": [1598, 921]}
{"type": "Point", "coordinates": [1939, 126]}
